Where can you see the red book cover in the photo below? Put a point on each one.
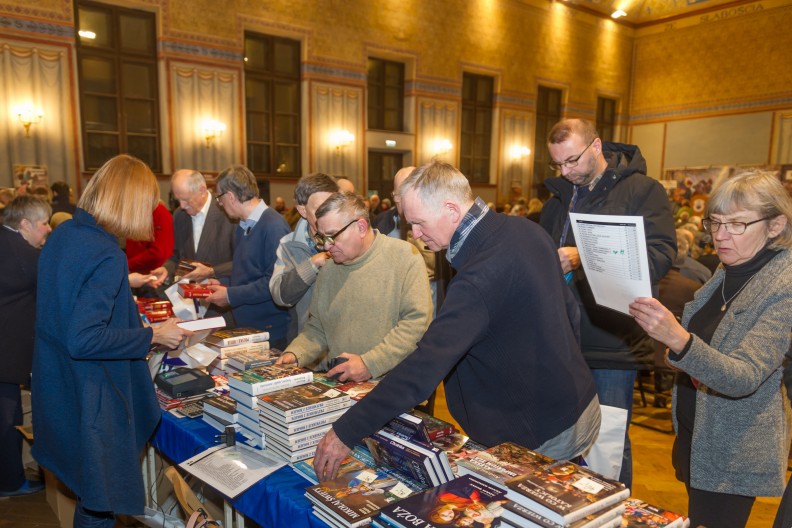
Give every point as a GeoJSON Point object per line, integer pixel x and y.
{"type": "Point", "coordinates": [191, 290]}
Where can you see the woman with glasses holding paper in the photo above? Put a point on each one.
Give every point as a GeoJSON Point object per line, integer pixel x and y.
{"type": "Point", "coordinates": [731, 413]}
{"type": "Point", "coordinates": [93, 399]}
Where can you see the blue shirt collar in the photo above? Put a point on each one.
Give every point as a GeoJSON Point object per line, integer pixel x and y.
{"type": "Point", "coordinates": [248, 223]}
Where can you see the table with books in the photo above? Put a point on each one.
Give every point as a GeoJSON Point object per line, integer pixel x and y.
{"type": "Point", "coordinates": [415, 471]}
{"type": "Point", "coordinates": [277, 500]}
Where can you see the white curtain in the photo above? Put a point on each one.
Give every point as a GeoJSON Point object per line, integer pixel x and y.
{"type": "Point", "coordinates": [200, 95]}
{"type": "Point", "coordinates": [38, 78]}
{"type": "Point", "coordinates": [437, 126]}
{"type": "Point", "coordinates": [335, 108]}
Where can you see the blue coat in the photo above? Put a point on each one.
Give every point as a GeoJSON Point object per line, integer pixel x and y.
{"type": "Point", "coordinates": [93, 399]}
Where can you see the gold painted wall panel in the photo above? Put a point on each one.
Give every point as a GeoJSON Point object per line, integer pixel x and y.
{"type": "Point", "coordinates": [720, 64]}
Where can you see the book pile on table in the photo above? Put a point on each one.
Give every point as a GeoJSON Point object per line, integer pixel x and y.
{"type": "Point", "coordinates": [545, 492]}
{"type": "Point", "coordinates": [638, 513]}
{"type": "Point", "coordinates": [154, 310]}
{"type": "Point", "coordinates": [249, 346]}
{"type": "Point", "coordinates": [220, 411]}
{"type": "Point", "coordinates": [168, 402]}
{"type": "Point", "coordinates": [292, 421]}
{"type": "Point", "coordinates": [396, 462]}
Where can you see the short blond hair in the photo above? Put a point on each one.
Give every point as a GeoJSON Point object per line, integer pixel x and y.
{"type": "Point", "coordinates": [121, 196]}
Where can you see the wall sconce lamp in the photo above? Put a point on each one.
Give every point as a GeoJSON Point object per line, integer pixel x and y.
{"type": "Point", "coordinates": [442, 146]}
{"type": "Point", "coordinates": [519, 152]}
{"type": "Point", "coordinates": [211, 130]}
{"type": "Point", "coordinates": [29, 117]}
{"type": "Point", "coordinates": [341, 139]}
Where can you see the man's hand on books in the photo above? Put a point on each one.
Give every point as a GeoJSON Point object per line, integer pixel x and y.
{"type": "Point", "coordinates": [287, 358]}
{"type": "Point", "coordinates": [330, 452]}
{"type": "Point", "coordinates": [201, 272]}
{"type": "Point", "coordinates": [570, 258]}
{"type": "Point", "coordinates": [351, 370]}
{"type": "Point", "coordinates": [219, 295]}
{"type": "Point", "coordinates": [169, 333]}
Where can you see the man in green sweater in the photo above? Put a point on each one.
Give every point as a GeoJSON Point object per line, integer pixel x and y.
{"type": "Point", "coordinates": [371, 305]}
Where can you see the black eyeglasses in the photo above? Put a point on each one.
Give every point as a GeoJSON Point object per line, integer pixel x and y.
{"type": "Point", "coordinates": [733, 228]}
{"type": "Point", "coordinates": [325, 240]}
{"type": "Point", "coordinates": [220, 196]}
{"type": "Point", "coordinates": [572, 162]}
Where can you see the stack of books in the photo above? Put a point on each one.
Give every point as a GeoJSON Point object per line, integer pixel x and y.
{"type": "Point", "coordinates": [542, 491]}
{"type": "Point", "coordinates": [221, 411]}
{"type": "Point", "coordinates": [638, 513]}
{"type": "Point", "coordinates": [249, 345]}
{"type": "Point", "coordinates": [154, 310]}
{"type": "Point", "coordinates": [168, 402]}
{"type": "Point", "coordinates": [463, 501]}
{"type": "Point", "coordinates": [294, 420]}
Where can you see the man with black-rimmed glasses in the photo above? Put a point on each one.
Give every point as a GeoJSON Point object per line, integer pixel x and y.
{"type": "Point", "coordinates": [370, 305]}
{"type": "Point", "coordinates": [598, 177]}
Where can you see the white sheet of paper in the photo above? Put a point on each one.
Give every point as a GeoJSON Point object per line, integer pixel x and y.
{"type": "Point", "coordinates": [613, 254]}
{"type": "Point", "coordinates": [203, 324]}
{"type": "Point", "coordinates": [232, 470]}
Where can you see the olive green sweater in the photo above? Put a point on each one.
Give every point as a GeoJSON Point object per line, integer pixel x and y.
{"type": "Point", "coordinates": [377, 306]}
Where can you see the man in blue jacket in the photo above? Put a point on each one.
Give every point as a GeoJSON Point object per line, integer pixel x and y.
{"type": "Point", "coordinates": [257, 238]}
{"type": "Point", "coordinates": [607, 178]}
{"type": "Point", "coordinates": [505, 339]}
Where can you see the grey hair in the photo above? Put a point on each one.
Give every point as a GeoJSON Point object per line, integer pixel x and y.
{"type": "Point", "coordinates": [436, 182]}
{"type": "Point", "coordinates": [195, 180]}
{"type": "Point", "coordinates": [25, 207]}
{"type": "Point", "coordinates": [754, 190]}
{"type": "Point", "coordinates": [344, 203]}
{"type": "Point", "coordinates": [239, 181]}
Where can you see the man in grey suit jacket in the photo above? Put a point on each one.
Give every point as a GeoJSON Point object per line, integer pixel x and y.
{"type": "Point", "coordinates": [201, 228]}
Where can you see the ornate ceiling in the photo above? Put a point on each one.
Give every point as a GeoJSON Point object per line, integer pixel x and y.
{"type": "Point", "coordinates": [644, 12]}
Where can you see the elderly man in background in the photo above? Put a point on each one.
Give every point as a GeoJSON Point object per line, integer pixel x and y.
{"type": "Point", "coordinates": [512, 369]}
{"type": "Point", "coordinates": [368, 269]}
{"type": "Point", "coordinates": [203, 233]}
{"type": "Point", "coordinates": [257, 238]}
{"type": "Point", "coordinates": [299, 260]}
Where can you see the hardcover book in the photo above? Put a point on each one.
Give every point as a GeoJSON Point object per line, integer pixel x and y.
{"type": "Point", "coordinates": [223, 407]}
{"type": "Point", "coordinates": [392, 453]}
{"type": "Point", "coordinates": [355, 497]}
{"type": "Point", "coordinates": [295, 400]}
{"type": "Point", "coordinates": [357, 389]}
{"type": "Point", "coordinates": [306, 468]}
{"type": "Point", "coordinates": [463, 501]}
{"type": "Point", "coordinates": [269, 379]}
{"type": "Point", "coordinates": [565, 492]}
{"type": "Point", "coordinates": [521, 516]}
{"type": "Point", "coordinates": [502, 462]}
{"type": "Point", "coordinates": [236, 336]}
{"type": "Point", "coordinates": [192, 290]}
{"type": "Point", "coordinates": [639, 513]}
{"type": "Point", "coordinates": [299, 426]}
{"type": "Point", "coordinates": [267, 416]}
{"type": "Point", "coordinates": [436, 427]}
{"type": "Point", "coordinates": [255, 355]}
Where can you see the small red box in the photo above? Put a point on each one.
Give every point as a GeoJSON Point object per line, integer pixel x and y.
{"type": "Point", "coordinates": [191, 290]}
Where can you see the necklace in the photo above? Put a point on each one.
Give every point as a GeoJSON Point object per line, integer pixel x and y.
{"type": "Point", "coordinates": [723, 294]}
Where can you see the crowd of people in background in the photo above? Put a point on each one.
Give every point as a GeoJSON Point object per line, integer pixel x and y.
{"type": "Point", "coordinates": [719, 316]}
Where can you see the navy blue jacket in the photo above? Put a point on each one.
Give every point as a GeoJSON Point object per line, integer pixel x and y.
{"type": "Point", "coordinates": [610, 339]}
{"type": "Point", "coordinates": [505, 340]}
{"type": "Point", "coordinates": [93, 399]}
{"type": "Point", "coordinates": [254, 259]}
{"type": "Point", "coordinates": [18, 269]}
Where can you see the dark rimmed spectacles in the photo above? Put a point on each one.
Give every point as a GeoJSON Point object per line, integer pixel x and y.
{"type": "Point", "coordinates": [220, 196]}
{"type": "Point", "coordinates": [558, 165]}
{"type": "Point", "coordinates": [733, 228]}
{"type": "Point", "coordinates": [325, 240]}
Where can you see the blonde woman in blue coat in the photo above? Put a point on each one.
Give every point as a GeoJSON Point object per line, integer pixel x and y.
{"type": "Point", "coordinates": [731, 412]}
{"type": "Point", "coordinates": [93, 400]}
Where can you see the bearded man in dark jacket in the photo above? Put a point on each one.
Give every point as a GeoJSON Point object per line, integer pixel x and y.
{"type": "Point", "coordinates": [605, 178]}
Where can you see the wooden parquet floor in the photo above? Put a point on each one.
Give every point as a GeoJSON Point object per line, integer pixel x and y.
{"type": "Point", "coordinates": [653, 476]}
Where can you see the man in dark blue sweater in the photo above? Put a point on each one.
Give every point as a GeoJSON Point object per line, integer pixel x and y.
{"type": "Point", "coordinates": [257, 238]}
{"type": "Point", "coordinates": [506, 339]}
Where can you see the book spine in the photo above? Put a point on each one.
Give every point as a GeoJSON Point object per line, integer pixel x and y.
{"type": "Point", "coordinates": [240, 340]}
{"type": "Point", "coordinates": [289, 414]}
{"type": "Point", "coordinates": [264, 387]}
{"type": "Point", "coordinates": [303, 425]}
{"type": "Point", "coordinates": [267, 414]}
{"type": "Point", "coordinates": [309, 438]}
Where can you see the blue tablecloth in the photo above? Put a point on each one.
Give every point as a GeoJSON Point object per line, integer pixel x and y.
{"type": "Point", "coordinates": [273, 502]}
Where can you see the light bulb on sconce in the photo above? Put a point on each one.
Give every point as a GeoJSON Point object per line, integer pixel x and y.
{"type": "Point", "coordinates": [519, 152]}
{"type": "Point", "coordinates": [340, 139]}
{"type": "Point", "coordinates": [211, 130]}
{"type": "Point", "coordinates": [442, 146]}
{"type": "Point", "coordinates": [27, 116]}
